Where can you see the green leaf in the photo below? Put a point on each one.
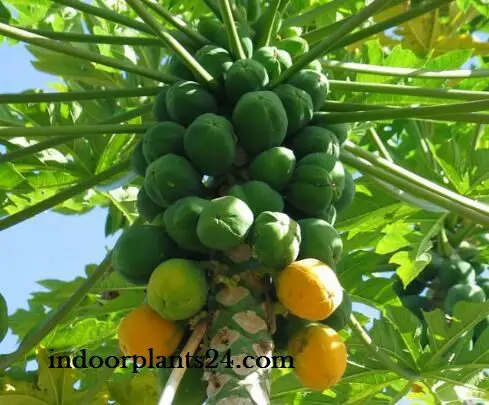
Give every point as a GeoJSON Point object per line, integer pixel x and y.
{"type": "Point", "coordinates": [10, 178]}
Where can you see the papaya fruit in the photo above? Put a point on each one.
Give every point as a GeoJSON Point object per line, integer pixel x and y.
{"type": "Point", "coordinates": [479, 267]}
{"type": "Point", "coordinates": [244, 76]}
{"type": "Point", "coordinates": [320, 356]}
{"type": "Point", "coordinates": [273, 59]}
{"type": "Point", "coordinates": [161, 139]}
{"type": "Point", "coordinates": [146, 207]}
{"type": "Point", "coordinates": [268, 126]}
{"type": "Point", "coordinates": [294, 46]}
{"type": "Point", "coordinates": [177, 289]}
{"type": "Point", "coordinates": [275, 166]}
{"type": "Point", "coordinates": [222, 39]}
{"type": "Point", "coordinates": [312, 139]}
{"type": "Point", "coordinates": [309, 289]}
{"type": "Point", "coordinates": [348, 194]}
{"type": "Point", "coordinates": [341, 315]}
{"type": "Point", "coordinates": [275, 239]}
{"type": "Point", "coordinates": [160, 113]}
{"type": "Point", "coordinates": [210, 144]}
{"type": "Point", "coordinates": [467, 251]}
{"type": "Point", "coordinates": [462, 292]}
{"type": "Point", "coordinates": [318, 181]}
{"type": "Point", "coordinates": [181, 220]}
{"type": "Point", "coordinates": [139, 250]}
{"type": "Point", "coordinates": [215, 60]}
{"type": "Point", "coordinates": [209, 27]}
{"type": "Point", "coordinates": [456, 272]}
{"type": "Point", "coordinates": [340, 130]}
{"type": "Point", "coordinates": [224, 223]}
{"type": "Point", "coordinates": [186, 100]}
{"type": "Point", "coordinates": [415, 287]}
{"type": "Point", "coordinates": [315, 65]}
{"type": "Point", "coordinates": [143, 329]}
{"type": "Point", "coordinates": [139, 164]}
{"type": "Point", "coordinates": [177, 68]}
{"type": "Point", "coordinates": [170, 178]}
{"type": "Point", "coordinates": [298, 106]}
{"type": "Point", "coordinates": [3, 318]}
{"type": "Point", "coordinates": [484, 284]}
{"type": "Point", "coordinates": [415, 304]}
{"type": "Point", "coordinates": [259, 196]}
{"type": "Point", "coordinates": [290, 31]}
{"type": "Point", "coordinates": [320, 241]}
{"type": "Point", "coordinates": [313, 83]}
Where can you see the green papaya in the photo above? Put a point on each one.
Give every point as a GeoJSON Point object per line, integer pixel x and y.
{"type": "Point", "coordinates": [259, 196]}
{"type": "Point", "coordinates": [320, 241]}
{"type": "Point", "coordinates": [160, 113]}
{"type": "Point", "coordinates": [161, 139]}
{"type": "Point", "coordinates": [275, 166]}
{"type": "Point", "coordinates": [3, 318]}
{"type": "Point", "coordinates": [275, 239]}
{"type": "Point", "coordinates": [244, 76]}
{"type": "Point", "coordinates": [318, 181]}
{"type": "Point", "coordinates": [484, 284]}
{"type": "Point", "coordinates": [146, 207]}
{"type": "Point", "coordinates": [222, 39]}
{"type": "Point", "coordinates": [260, 121]}
{"type": "Point", "coordinates": [273, 59]}
{"type": "Point", "coordinates": [224, 223]}
{"type": "Point", "coordinates": [295, 46]}
{"type": "Point", "coordinates": [416, 304]}
{"type": "Point", "coordinates": [290, 31]}
{"type": "Point", "coordinates": [186, 100]}
{"type": "Point", "coordinates": [298, 106]}
{"type": "Point", "coordinates": [311, 139]}
{"type": "Point", "coordinates": [177, 68]}
{"type": "Point", "coordinates": [139, 164]}
{"type": "Point", "coordinates": [313, 83]}
{"type": "Point", "coordinates": [170, 178]}
{"type": "Point", "coordinates": [456, 272]}
{"type": "Point", "coordinates": [479, 267]}
{"type": "Point", "coordinates": [315, 65]}
{"type": "Point", "coordinates": [415, 287]}
{"type": "Point", "coordinates": [341, 315]}
{"type": "Point", "coordinates": [139, 250]}
{"type": "Point", "coordinates": [210, 144]}
{"type": "Point", "coordinates": [215, 60]}
{"type": "Point", "coordinates": [340, 130]}
{"type": "Point", "coordinates": [463, 292]}
{"type": "Point", "coordinates": [348, 194]}
{"type": "Point", "coordinates": [209, 27]}
{"type": "Point", "coordinates": [181, 220]}
{"type": "Point", "coordinates": [467, 251]}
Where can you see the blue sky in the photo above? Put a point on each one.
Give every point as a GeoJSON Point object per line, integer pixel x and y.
{"type": "Point", "coordinates": [49, 245]}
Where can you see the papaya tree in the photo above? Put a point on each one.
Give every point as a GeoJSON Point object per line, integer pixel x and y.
{"type": "Point", "coordinates": [299, 190]}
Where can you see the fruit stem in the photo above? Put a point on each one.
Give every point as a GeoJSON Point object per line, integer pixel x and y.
{"type": "Point", "coordinates": [70, 50]}
{"type": "Point", "coordinates": [32, 340]}
{"type": "Point", "coordinates": [378, 353]}
{"type": "Point", "coordinates": [16, 98]}
{"type": "Point", "coordinates": [404, 72]}
{"type": "Point", "coordinates": [445, 247]}
{"type": "Point", "coordinates": [269, 24]}
{"type": "Point", "coordinates": [173, 44]}
{"type": "Point", "coordinates": [168, 393]}
{"type": "Point", "coordinates": [178, 23]}
{"type": "Point", "coordinates": [443, 199]}
{"type": "Point", "coordinates": [231, 30]}
{"type": "Point", "coordinates": [55, 141]}
{"type": "Point", "coordinates": [395, 21]}
{"type": "Point", "coordinates": [445, 111]}
{"type": "Point", "coordinates": [380, 145]}
{"type": "Point", "coordinates": [61, 197]}
{"type": "Point", "coordinates": [328, 43]}
{"type": "Point", "coordinates": [74, 130]}
{"type": "Point", "coordinates": [93, 39]}
{"type": "Point", "coordinates": [415, 91]}
{"type": "Point", "coordinates": [311, 15]}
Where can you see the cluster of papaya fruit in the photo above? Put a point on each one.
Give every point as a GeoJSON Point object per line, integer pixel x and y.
{"type": "Point", "coordinates": [445, 281]}
{"type": "Point", "coordinates": [244, 167]}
